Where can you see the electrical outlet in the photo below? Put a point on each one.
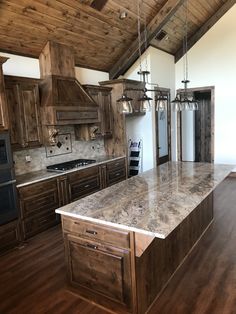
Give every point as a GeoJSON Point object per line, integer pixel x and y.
{"type": "Point", "coordinates": [28, 158]}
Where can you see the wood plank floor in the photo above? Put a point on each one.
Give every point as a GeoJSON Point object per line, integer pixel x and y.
{"type": "Point", "coordinates": [32, 279]}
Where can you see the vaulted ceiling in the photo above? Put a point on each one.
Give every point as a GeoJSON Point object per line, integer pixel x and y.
{"type": "Point", "coordinates": [101, 39]}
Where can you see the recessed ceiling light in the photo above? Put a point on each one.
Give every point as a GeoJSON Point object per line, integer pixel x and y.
{"type": "Point", "coordinates": [123, 15]}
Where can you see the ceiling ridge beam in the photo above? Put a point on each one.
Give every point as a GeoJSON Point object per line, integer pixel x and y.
{"type": "Point", "coordinates": [205, 27]}
{"type": "Point", "coordinates": [156, 24]}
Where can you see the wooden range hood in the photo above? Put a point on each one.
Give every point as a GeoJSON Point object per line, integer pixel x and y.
{"type": "Point", "coordinates": [63, 99]}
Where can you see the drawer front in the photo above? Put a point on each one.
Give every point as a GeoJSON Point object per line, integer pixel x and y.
{"type": "Point", "coordinates": [44, 203]}
{"type": "Point", "coordinates": [37, 188]}
{"type": "Point", "coordinates": [112, 165]}
{"type": "Point", "coordinates": [84, 187]}
{"type": "Point", "coordinates": [83, 174]}
{"type": "Point", "coordinates": [115, 176]}
{"type": "Point", "coordinates": [33, 226]}
{"type": "Point", "coordinates": [96, 232]}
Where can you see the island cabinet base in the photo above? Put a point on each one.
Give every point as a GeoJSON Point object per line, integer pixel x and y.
{"type": "Point", "coordinates": [161, 259]}
{"type": "Point", "coordinates": [125, 271]}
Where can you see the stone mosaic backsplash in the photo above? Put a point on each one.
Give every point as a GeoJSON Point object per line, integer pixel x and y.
{"type": "Point", "coordinates": [39, 159]}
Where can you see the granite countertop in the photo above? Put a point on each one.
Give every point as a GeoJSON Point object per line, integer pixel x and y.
{"type": "Point", "coordinates": [36, 176]}
{"type": "Point", "coordinates": [153, 203]}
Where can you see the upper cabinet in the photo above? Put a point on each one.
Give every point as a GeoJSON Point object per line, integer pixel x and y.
{"type": "Point", "coordinates": [23, 106]}
{"type": "Point", "coordinates": [3, 107]}
{"type": "Point", "coordinates": [117, 144]}
{"type": "Point", "coordinates": [102, 96]}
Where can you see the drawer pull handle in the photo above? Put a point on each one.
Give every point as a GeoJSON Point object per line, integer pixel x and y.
{"type": "Point", "coordinates": [117, 174]}
{"type": "Point", "coordinates": [117, 164]}
{"type": "Point", "coordinates": [87, 186]}
{"type": "Point", "coordinates": [92, 246]}
{"type": "Point", "coordinates": [91, 232]}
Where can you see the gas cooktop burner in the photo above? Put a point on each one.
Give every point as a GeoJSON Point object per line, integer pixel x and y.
{"type": "Point", "coordinates": [64, 166]}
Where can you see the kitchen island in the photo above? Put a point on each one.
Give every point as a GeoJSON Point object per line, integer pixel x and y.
{"type": "Point", "coordinates": [123, 244]}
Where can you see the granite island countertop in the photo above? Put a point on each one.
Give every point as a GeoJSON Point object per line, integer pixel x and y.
{"type": "Point", "coordinates": [153, 203]}
{"type": "Point", "coordinates": [40, 175]}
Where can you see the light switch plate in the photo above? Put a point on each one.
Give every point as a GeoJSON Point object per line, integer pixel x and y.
{"type": "Point", "coordinates": [64, 146]}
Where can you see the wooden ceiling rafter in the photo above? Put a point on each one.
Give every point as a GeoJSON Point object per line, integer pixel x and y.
{"type": "Point", "coordinates": [128, 58]}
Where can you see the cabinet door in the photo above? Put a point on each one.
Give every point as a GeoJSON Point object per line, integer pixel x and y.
{"type": "Point", "coordinates": [84, 182]}
{"type": "Point", "coordinates": [106, 119]}
{"type": "Point", "coordinates": [23, 107]}
{"type": "Point", "coordinates": [102, 269]}
{"type": "Point", "coordinates": [29, 97]}
{"type": "Point", "coordinates": [3, 106]}
{"type": "Point", "coordinates": [9, 235]}
{"type": "Point", "coordinates": [15, 116]}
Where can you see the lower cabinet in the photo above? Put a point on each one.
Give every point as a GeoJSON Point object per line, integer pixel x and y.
{"type": "Point", "coordinates": [38, 202]}
{"type": "Point", "coordinates": [96, 267]}
{"type": "Point", "coordinates": [116, 171]}
{"type": "Point", "coordinates": [9, 235]}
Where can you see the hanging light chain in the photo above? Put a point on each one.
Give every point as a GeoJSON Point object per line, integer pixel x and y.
{"type": "Point", "coordinates": [139, 36]}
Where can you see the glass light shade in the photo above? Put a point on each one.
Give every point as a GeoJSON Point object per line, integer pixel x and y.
{"type": "Point", "coordinates": [161, 103]}
{"type": "Point", "coordinates": [176, 104]}
{"type": "Point", "coordinates": [125, 104]}
{"type": "Point", "coordinates": [145, 103]}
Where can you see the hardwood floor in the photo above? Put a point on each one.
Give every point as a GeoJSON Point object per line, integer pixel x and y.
{"type": "Point", "coordinates": [33, 278]}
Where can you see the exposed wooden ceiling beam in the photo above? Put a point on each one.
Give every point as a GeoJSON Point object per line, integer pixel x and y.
{"type": "Point", "coordinates": [157, 23]}
{"type": "Point", "coordinates": [205, 27]}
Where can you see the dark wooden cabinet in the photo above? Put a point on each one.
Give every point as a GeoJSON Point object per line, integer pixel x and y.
{"type": "Point", "coordinates": [9, 235]}
{"type": "Point", "coordinates": [102, 96]}
{"type": "Point", "coordinates": [38, 202]}
{"type": "Point", "coordinates": [116, 171]}
{"type": "Point", "coordinates": [84, 182]}
{"type": "Point", "coordinates": [3, 105]}
{"type": "Point", "coordinates": [98, 268]}
{"type": "Point", "coordinates": [23, 106]}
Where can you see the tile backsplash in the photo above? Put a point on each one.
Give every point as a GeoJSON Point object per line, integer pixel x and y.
{"type": "Point", "coordinates": [39, 159]}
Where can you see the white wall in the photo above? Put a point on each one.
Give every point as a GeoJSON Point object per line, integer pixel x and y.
{"type": "Point", "coordinates": [212, 61]}
{"type": "Point", "coordinates": [29, 67]}
{"type": "Point", "coordinates": [21, 66]}
{"type": "Point", "coordinates": [162, 68]}
{"type": "Point", "coordinates": [87, 76]}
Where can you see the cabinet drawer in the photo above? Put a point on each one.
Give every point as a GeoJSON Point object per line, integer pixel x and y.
{"type": "Point", "coordinates": [83, 174]}
{"type": "Point", "coordinates": [36, 224]}
{"type": "Point", "coordinates": [116, 176]}
{"type": "Point", "coordinates": [120, 163]}
{"type": "Point", "coordinates": [84, 187]}
{"type": "Point", "coordinates": [37, 188]}
{"type": "Point", "coordinates": [41, 204]}
{"type": "Point", "coordinates": [96, 232]}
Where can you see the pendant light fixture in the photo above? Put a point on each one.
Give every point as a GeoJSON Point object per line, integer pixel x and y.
{"type": "Point", "coordinates": [145, 100]}
{"type": "Point", "coordinates": [183, 101]}
{"type": "Point", "coordinates": [125, 104]}
{"type": "Point", "coordinates": [161, 101]}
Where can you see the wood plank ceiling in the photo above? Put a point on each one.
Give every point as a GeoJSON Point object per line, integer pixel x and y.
{"type": "Point", "coordinates": [99, 37]}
